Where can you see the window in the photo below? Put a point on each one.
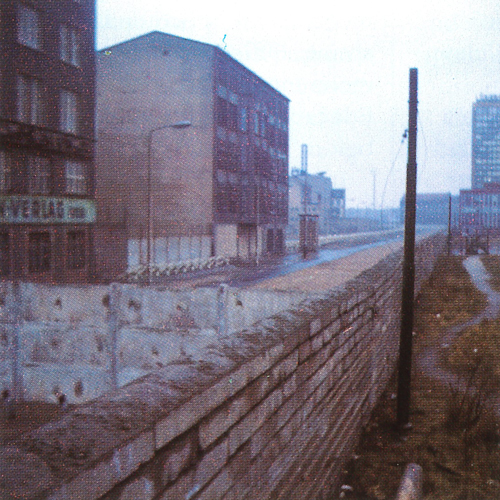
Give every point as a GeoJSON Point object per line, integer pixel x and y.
{"type": "Point", "coordinates": [280, 241]}
{"type": "Point", "coordinates": [39, 175]}
{"type": "Point", "coordinates": [39, 252]}
{"type": "Point", "coordinates": [69, 119]}
{"type": "Point", "coordinates": [4, 254]}
{"type": "Point", "coordinates": [76, 178]}
{"type": "Point", "coordinates": [5, 171]}
{"type": "Point", "coordinates": [226, 114]}
{"type": "Point", "coordinates": [76, 250]}
{"type": "Point", "coordinates": [270, 241]}
{"type": "Point", "coordinates": [255, 123]}
{"type": "Point", "coordinates": [243, 119]}
{"type": "Point", "coordinates": [29, 101]}
{"type": "Point", "coordinates": [69, 47]}
{"type": "Point", "coordinates": [28, 27]}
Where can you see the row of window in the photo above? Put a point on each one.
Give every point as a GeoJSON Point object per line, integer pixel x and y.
{"type": "Point", "coordinates": [491, 221]}
{"type": "Point", "coordinates": [32, 101]}
{"type": "Point", "coordinates": [225, 177]}
{"type": "Point", "coordinates": [248, 202]}
{"type": "Point", "coordinates": [231, 97]}
{"type": "Point", "coordinates": [29, 33]}
{"type": "Point", "coordinates": [39, 171]}
{"type": "Point", "coordinates": [40, 255]}
{"type": "Point", "coordinates": [233, 155]}
{"type": "Point", "coordinates": [486, 113]}
{"type": "Point", "coordinates": [232, 115]}
{"type": "Point", "coordinates": [232, 119]}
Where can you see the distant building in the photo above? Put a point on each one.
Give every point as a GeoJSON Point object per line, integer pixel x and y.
{"type": "Point", "coordinates": [369, 219]}
{"type": "Point", "coordinates": [479, 209]}
{"type": "Point", "coordinates": [216, 136]}
{"type": "Point", "coordinates": [485, 141]}
{"type": "Point", "coordinates": [338, 203]}
{"type": "Point", "coordinates": [314, 193]}
{"type": "Point", "coordinates": [47, 71]}
{"type": "Point", "coordinates": [432, 208]}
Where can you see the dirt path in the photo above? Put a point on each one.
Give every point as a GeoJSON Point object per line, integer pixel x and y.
{"type": "Point", "coordinates": [429, 362]}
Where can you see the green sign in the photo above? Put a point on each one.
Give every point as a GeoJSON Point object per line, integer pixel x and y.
{"type": "Point", "coordinates": [46, 210]}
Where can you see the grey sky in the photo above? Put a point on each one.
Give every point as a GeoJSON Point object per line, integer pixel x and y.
{"type": "Point", "coordinates": [344, 65]}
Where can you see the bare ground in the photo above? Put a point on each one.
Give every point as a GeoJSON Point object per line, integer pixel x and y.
{"type": "Point", "coordinates": [459, 453]}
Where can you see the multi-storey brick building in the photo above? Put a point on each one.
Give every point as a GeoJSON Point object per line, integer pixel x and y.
{"type": "Point", "coordinates": [47, 71]}
{"type": "Point", "coordinates": [479, 209]}
{"type": "Point", "coordinates": [192, 155]}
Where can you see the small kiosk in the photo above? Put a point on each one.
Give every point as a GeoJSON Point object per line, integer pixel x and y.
{"type": "Point", "coordinates": [308, 233]}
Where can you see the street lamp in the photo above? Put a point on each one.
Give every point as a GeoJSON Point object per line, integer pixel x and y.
{"type": "Point", "coordinates": [178, 126]}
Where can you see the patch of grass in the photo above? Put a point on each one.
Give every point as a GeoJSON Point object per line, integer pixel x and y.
{"type": "Point", "coordinates": [492, 265]}
{"type": "Point", "coordinates": [447, 299]}
{"type": "Point", "coordinates": [459, 453]}
{"type": "Point", "coordinates": [477, 347]}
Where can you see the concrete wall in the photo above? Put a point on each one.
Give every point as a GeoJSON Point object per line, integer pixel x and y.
{"type": "Point", "coordinates": [271, 412]}
{"type": "Point", "coordinates": [66, 343]}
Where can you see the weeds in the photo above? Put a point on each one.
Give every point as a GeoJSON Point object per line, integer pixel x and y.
{"type": "Point", "coordinates": [455, 434]}
{"type": "Point", "coordinates": [467, 413]}
{"type": "Point", "coordinates": [492, 265]}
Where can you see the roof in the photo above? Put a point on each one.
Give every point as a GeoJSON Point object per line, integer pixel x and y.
{"type": "Point", "coordinates": [208, 45]}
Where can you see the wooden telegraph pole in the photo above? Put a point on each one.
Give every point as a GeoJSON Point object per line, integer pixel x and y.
{"type": "Point", "coordinates": [405, 344]}
{"type": "Point", "coordinates": [449, 227]}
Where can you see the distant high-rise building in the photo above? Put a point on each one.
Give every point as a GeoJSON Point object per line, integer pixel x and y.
{"type": "Point", "coordinates": [486, 141]}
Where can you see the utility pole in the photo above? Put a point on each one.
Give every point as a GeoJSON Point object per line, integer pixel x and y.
{"type": "Point", "coordinates": [449, 226]}
{"type": "Point", "coordinates": [305, 200]}
{"type": "Point", "coordinates": [304, 170]}
{"type": "Point", "coordinates": [405, 343]}
{"type": "Point", "coordinates": [374, 173]}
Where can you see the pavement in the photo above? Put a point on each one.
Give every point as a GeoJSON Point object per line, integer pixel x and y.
{"type": "Point", "coordinates": [315, 276]}
{"type": "Point", "coordinates": [328, 275]}
{"type": "Point", "coordinates": [331, 268]}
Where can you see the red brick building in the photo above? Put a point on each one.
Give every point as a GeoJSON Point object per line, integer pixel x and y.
{"type": "Point", "coordinates": [192, 155]}
{"type": "Point", "coordinates": [47, 80]}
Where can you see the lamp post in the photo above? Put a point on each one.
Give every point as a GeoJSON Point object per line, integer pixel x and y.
{"type": "Point", "coordinates": [149, 233]}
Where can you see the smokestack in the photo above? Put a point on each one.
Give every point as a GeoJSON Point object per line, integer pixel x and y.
{"type": "Point", "coordinates": [304, 158]}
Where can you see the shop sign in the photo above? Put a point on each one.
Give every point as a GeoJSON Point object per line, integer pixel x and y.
{"type": "Point", "coordinates": [46, 210]}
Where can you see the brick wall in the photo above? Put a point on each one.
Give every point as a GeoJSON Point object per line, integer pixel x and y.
{"type": "Point", "coordinates": [272, 412]}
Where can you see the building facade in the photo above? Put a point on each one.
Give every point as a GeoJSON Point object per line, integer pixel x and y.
{"type": "Point", "coordinates": [432, 209]}
{"type": "Point", "coordinates": [47, 74]}
{"type": "Point", "coordinates": [338, 203]}
{"type": "Point", "coordinates": [313, 193]}
{"type": "Point", "coordinates": [192, 155]}
{"type": "Point", "coordinates": [479, 209]}
{"type": "Point", "coordinates": [485, 141]}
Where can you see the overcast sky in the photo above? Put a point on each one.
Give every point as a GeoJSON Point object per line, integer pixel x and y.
{"type": "Point", "coordinates": [344, 66]}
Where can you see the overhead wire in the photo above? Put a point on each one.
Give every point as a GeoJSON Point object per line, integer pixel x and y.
{"type": "Point", "coordinates": [405, 135]}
